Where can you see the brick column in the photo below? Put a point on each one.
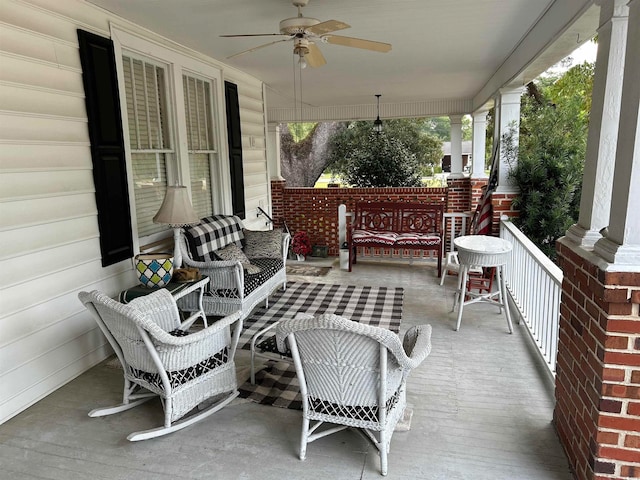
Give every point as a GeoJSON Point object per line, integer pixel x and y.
{"type": "Point", "coordinates": [597, 413]}
{"type": "Point", "coordinates": [502, 205]}
{"type": "Point", "coordinates": [477, 185]}
{"type": "Point", "coordinates": [277, 202]}
{"type": "Point", "coordinates": [459, 194]}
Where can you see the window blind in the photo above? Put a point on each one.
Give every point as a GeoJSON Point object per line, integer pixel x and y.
{"type": "Point", "coordinates": [201, 144]}
{"type": "Point", "coordinates": [145, 91]}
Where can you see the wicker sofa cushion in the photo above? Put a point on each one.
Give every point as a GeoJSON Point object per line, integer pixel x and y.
{"type": "Point", "coordinates": [268, 268]}
{"type": "Point", "coordinates": [263, 243]}
{"type": "Point", "coordinates": [233, 252]}
{"type": "Point", "coordinates": [213, 233]}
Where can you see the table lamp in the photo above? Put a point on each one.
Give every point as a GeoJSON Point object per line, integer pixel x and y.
{"type": "Point", "coordinates": [176, 211]}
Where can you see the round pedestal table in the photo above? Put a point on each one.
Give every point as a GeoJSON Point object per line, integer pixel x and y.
{"type": "Point", "coordinates": [482, 251]}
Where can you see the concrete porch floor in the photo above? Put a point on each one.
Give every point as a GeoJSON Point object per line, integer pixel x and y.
{"type": "Point", "coordinates": [482, 410]}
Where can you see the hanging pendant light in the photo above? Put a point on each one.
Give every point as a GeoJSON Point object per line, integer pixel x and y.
{"type": "Point", "coordinates": [377, 123]}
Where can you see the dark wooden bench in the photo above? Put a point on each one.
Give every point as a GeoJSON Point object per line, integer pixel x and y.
{"type": "Point", "coordinates": [397, 226]}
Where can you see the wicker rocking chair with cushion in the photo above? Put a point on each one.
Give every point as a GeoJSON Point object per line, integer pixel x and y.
{"type": "Point", "coordinates": [160, 359]}
{"type": "Point", "coordinates": [352, 374]}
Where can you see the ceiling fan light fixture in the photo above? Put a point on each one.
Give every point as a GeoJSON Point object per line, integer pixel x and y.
{"type": "Point", "coordinates": [377, 123]}
{"type": "Point", "coordinates": [301, 49]}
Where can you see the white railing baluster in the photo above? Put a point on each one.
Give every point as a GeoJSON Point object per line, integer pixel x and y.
{"type": "Point", "coordinates": [535, 285]}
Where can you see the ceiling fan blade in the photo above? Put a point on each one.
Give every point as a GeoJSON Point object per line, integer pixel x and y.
{"type": "Point", "coordinates": [314, 57]}
{"type": "Point", "coordinates": [252, 35]}
{"type": "Point", "coordinates": [329, 26]}
{"type": "Point", "coordinates": [257, 48]}
{"type": "Point", "coordinates": [358, 43]}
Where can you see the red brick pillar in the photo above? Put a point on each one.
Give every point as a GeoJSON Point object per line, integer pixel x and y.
{"type": "Point", "coordinates": [597, 412]}
{"type": "Point", "coordinates": [502, 205]}
{"type": "Point", "coordinates": [477, 190]}
{"type": "Point", "coordinates": [459, 194]}
{"type": "Point", "coordinates": [277, 202]}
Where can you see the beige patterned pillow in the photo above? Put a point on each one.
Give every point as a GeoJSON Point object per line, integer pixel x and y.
{"type": "Point", "coordinates": [233, 252]}
{"type": "Point", "coordinates": [263, 243]}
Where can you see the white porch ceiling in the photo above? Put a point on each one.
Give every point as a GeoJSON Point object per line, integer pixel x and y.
{"type": "Point", "coordinates": [448, 56]}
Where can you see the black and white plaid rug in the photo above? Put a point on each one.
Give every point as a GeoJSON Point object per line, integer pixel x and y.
{"type": "Point", "coordinates": [276, 384]}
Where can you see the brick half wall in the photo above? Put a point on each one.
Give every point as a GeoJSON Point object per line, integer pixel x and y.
{"type": "Point", "coordinates": [315, 210]}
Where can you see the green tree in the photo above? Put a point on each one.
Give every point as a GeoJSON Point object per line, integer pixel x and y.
{"type": "Point", "coordinates": [426, 148]}
{"type": "Point", "coordinates": [381, 161]}
{"type": "Point", "coordinates": [440, 127]}
{"type": "Point", "coordinates": [550, 156]}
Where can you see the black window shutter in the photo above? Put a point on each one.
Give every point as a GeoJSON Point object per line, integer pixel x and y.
{"type": "Point", "coordinates": [107, 146]}
{"type": "Point", "coordinates": [235, 148]}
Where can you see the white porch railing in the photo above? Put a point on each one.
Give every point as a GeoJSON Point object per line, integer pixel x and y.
{"type": "Point", "coordinates": [535, 284]}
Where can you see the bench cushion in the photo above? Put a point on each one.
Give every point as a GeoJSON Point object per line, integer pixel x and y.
{"type": "Point", "coordinates": [373, 237]}
{"type": "Point", "coordinates": [213, 233]}
{"type": "Point", "coordinates": [417, 240]}
{"type": "Point", "coordinates": [233, 252]}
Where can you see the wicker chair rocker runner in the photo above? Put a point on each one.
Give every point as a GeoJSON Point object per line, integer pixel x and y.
{"type": "Point", "coordinates": [161, 359]}
{"type": "Point", "coordinates": [352, 375]}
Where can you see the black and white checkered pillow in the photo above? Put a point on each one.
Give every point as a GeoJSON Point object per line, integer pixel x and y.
{"type": "Point", "coordinates": [213, 233]}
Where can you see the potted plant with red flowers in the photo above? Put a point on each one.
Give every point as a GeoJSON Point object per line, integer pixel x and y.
{"type": "Point", "coordinates": [301, 245]}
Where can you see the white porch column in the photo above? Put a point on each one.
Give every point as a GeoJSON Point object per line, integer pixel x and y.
{"type": "Point", "coordinates": [600, 156]}
{"type": "Point", "coordinates": [621, 243]}
{"type": "Point", "coordinates": [456, 146]}
{"type": "Point", "coordinates": [479, 143]}
{"type": "Point", "coordinates": [273, 151]}
{"type": "Point", "coordinates": [507, 116]}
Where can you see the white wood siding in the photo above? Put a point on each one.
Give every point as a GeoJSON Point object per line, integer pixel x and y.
{"type": "Point", "coordinates": [49, 234]}
{"type": "Point", "coordinates": [254, 150]}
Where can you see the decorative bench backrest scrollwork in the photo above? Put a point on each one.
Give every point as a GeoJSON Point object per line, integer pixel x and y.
{"type": "Point", "coordinates": [397, 225]}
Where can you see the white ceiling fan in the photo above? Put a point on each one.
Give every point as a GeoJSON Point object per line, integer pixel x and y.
{"type": "Point", "coordinates": [307, 32]}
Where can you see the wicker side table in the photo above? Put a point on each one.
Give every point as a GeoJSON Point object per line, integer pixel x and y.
{"type": "Point", "coordinates": [482, 251]}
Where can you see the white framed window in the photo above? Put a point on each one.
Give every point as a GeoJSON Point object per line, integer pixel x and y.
{"type": "Point", "coordinates": [149, 137]}
{"type": "Point", "coordinates": [176, 128]}
{"type": "Point", "coordinates": [199, 117]}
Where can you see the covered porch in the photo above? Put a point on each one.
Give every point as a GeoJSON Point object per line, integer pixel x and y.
{"type": "Point", "coordinates": [482, 408]}
{"type": "Point", "coordinates": [481, 402]}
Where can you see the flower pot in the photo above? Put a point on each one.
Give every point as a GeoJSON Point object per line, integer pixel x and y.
{"type": "Point", "coordinates": [300, 257]}
{"type": "Point", "coordinates": [154, 269]}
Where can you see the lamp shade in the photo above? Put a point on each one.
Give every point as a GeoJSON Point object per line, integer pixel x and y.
{"type": "Point", "coordinates": [176, 208]}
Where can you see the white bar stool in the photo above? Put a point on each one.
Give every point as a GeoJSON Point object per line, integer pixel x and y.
{"type": "Point", "coordinates": [482, 251]}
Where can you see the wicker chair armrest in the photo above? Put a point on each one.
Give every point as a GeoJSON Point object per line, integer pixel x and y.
{"type": "Point", "coordinates": [286, 240]}
{"type": "Point", "coordinates": [164, 338]}
{"type": "Point", "coordinates": [210, 265]}
{"type": "Point", "coordinates": [417, 345]}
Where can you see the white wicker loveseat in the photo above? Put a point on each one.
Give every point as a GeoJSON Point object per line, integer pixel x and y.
{"type": "Point", "coordinates": [245, 266]}
{"type": "Point", "coordinates": [352, 375]}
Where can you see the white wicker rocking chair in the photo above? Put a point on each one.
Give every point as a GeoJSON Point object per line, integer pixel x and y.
{"type": "Point", "coordinates": [352, 374]}
{"type": "Point", "coordinates": [159, 359]}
